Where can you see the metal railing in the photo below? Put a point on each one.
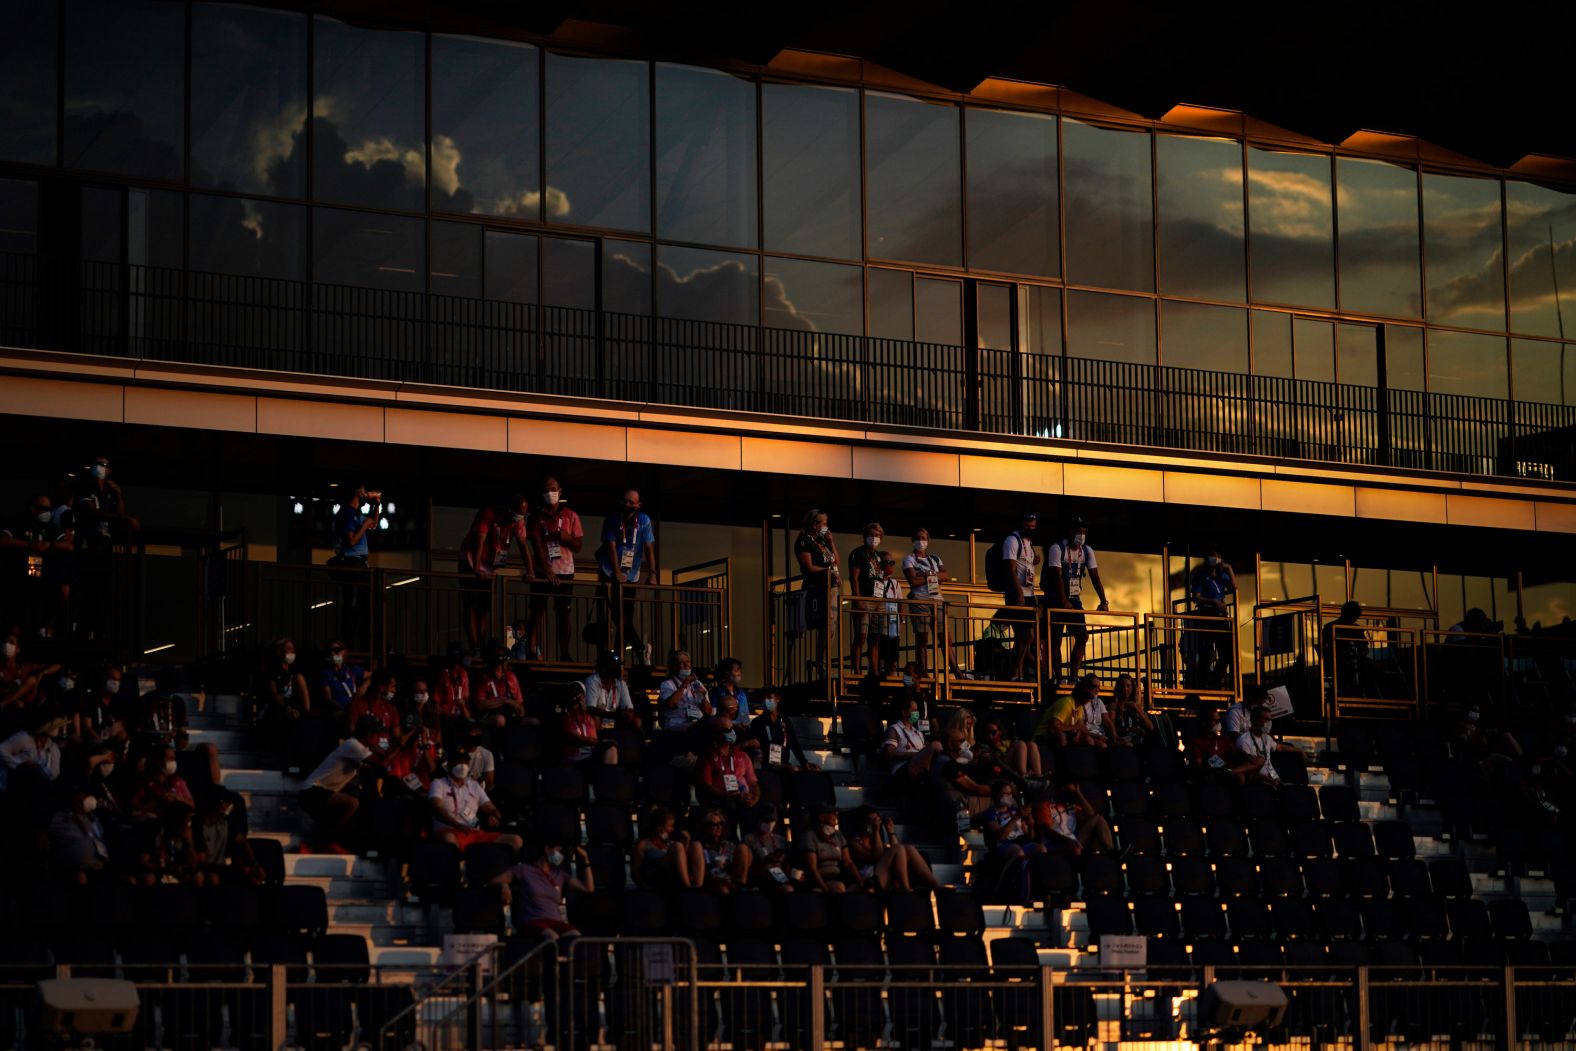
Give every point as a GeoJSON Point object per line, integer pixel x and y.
{"type": "Point", "coordinates": [191, 316]}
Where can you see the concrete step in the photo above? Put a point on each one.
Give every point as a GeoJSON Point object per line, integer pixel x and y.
{"type": "Point", "coordinates": [262, 781]}
{"type": "Point", "coordinates": [227, 739]}
{"type": "Point", "coordinates": [377, 911]}
{"type": "Point", "coordinates": [341, 866]}
{"type": "Point", "coordinates": [422, 956]}
{"type": "Point", "coordinates": [339, 888]}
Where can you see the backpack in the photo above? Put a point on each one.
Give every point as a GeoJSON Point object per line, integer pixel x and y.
{"type": "Point", "coordinates": [996, 569]}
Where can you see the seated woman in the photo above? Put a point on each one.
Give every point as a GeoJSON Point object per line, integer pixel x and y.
{"type": "Point", "coordinates": [659, 860]}
{"type": "Point", "coordinates": [882, 861]}
{"type": "Point", "coordinates": [827, 864]}
{"type": "Point", "coordinates": [1020, 757]}
{"type": "Point", "coordinates": [715, 860]}
{"type": "Point", "coordinates": [1009, 832]}
{"type": "Point", "coordinates": [1130, 713]}
{"type": "Point", "coordinates": [1068, 822]}
{"type": "Point", "coordinates": [769, 867]}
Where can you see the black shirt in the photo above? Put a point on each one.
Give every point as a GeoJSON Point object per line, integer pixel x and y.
{"type": "Point", "coordinates": [769, 731]}
{"type": "Point", "coordinates": [820, 554]}
{"type": "Point", "coordinates": [864, 562]}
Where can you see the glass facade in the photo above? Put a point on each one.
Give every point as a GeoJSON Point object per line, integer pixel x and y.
{"type": "Point", "coordinates": [274, 144]}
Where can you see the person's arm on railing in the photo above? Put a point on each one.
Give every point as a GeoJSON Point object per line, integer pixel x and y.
{"type": "Point", "coordinates": [1099, 588]}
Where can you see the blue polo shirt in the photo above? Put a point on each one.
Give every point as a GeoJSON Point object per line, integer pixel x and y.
{"type": "Point", "coordinates": [342, 682]}
{"type": "Point", "coordinates": [346, 522]}
{"type": "Point", "coordinates": [630, 540]}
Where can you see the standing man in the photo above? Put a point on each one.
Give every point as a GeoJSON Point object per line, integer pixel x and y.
{"type": "Point", "coordinates": [1066, 565]}
{"type": "Point", "coordinates": [99, 508]}
{"type": "Point", "coordinates": [628, 556]}
{"type": "Point", "coordinates": [483, 553]}
{"type": "Point", "coordinates": [556, 537]}
{"type": "Point", "coordinates": [355, 518]}
{"type": "Point", "coordinates": [1019, 559]}
{"type": "Point", "coordinates": [926, 573]}
{"type": "Point", "coordinates": [1210, 649]}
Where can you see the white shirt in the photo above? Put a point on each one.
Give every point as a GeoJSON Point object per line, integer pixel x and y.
{"type": "Point", "coordinates": [20, 749]}
{"type": "Point", "coordinates": [339, 769]}
{"type": "Point", "coordinates": [1019, 550]}
{"type": "Point", "coordinates": [1260, 746]}
{"type": "Point", "coordinates": [1237, 720]}
{"type": "Point", "coordinates": [688, 709]}
{"type": "Point", "coordinates": [462, 802]}
{"type": "Point", "coordinates": [1064, 821]}
{"type": "Point", "coordinates": [482, 763]}
{"type": "Point", "coordinates": [1073, 563]}
{"type": "Point", "coordinates": [928, 568]}
{"type": "Point", "coordinates": [1094, 717]}
{"type": "Point", "coordinates": [905, 737]}
{"type": "Point", "coordinates": [606, 699]}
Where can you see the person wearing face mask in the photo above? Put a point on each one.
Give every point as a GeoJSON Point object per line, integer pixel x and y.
{"type": "Point", "coordinates": [1019, 560]}
{"type": "Point", "coordinates": [682, 696]}
{"type": "Point", "coordinates": [827, 865]}
{"type": "Point", "coordinates": [905, 743]}
{"type": "Point", "coordinates": [627, 555]}
{"type": "Point", "coordinates": [726, 777]}
{"type": "Point", "coordinates": [721, 863]}
{"type": "Point", "coordinates": [19, 682]}
{"type": "Point", "coordinates": [376, 702]}
{"type": "Point", "coordinates": [729, 674]}
{"type": "Point", "coordinates": [78, 850]}
{"type": "Point", "coordinates": [778, 742]}
{"type": "Point", "coordinates": [419, 742]}
{"type": "Point", "coordinates": [1258, 746]}
{"type": "Point", "coordinates": [43, 546]}
{"type": "Point", "coordinates": [497, 696]}
{"type": "Point", "coordinates": [33, 752]}
{"type": "Point", "coordinates": [484, 553]}
{"type": "Point", "coordinates": [1206, 649]}
{"type": "Point", "coordinates": [582, 732]}
{"type": "Point", "coordinates": [1010, 835]}
{"type": "Point", "coordinates": [334, 789]}
{"type": "Point", "coordinates": [659, 861]}
{"type": "Point", "coordinates": [354, 521]}
{"type": "Point", "coordinates": [340, 681]}
{"type": "Point", "coordinates": [557, 536]}
{"type": "Point", "coordinates": [926, 573]}
{"type": "Point", "coordinates": [607, 694]}
{"type": "Point", "coordinates": [1067, 565]}
{"type": "Point", "coordinates": [864, 576]}
{"type": "Point", "coordinates": [100, 507]}
{"type": "Point", "coordinates": [99, 715]}
{"type": "Point", "coordinates": [461, 812]}
{"type": "Point", "coordinates": [536, 888]}
{"type": "Point", "coordinates": [1212, 750]}
{"type": "Point", "coordinates": [284, 685]}
{"type": "Point", "coordinates": [770, 867]}
{"type": "Point", "coordinates": [819, 576]}
{"type": "Point", "coordinates": [161, 788]}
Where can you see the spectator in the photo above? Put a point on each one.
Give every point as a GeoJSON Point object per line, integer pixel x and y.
{"type": "Point", "coordinates": [162, 788]}
{"type": "Point", "coordinates": [199, 766]}
{"type": "Point", "coordinates": [1069, 822]}
{"type": "Point", "coordinates": [461, 812]}
{"type": "Point", "coordinates": [353, 521]}
{"type": "Point", "coordinates": [224, 855]}
{"type": "Point", "coordinates": [778, 742]}
{"type": "Point", "coordinates": [827, 864]}
{"type": "Point", "coordinates": [285, 697]}
{"type": "Point", "coordinates": [886, 622]}
{"type": "Point", "coordinates": [1239, 715]}
{"type": "Point", "coordinates": [1214, 752]}
{"type": "Point", "coordinates": [19, 681]}
{"type": "Point", "coordinates": [1344, 648]}
{"type": "Point", "coordinates": [377, 702]}
{"type": "Point", "coordinates": [418, 743]}
{"type": "Point", "coordinates": [453, 696]}
{"type": "Point", "coordinates": [962, 720]}
{"type": "Point", "coordinates": [1130, 712]}
{"type": "Point", "coordinates": [661, 861]}
{"type": "Point", "coordinates": [557, 536]}
{"type": "Point", "coordinates": [1020, 559]}
{"type": "Point", "coordinates": [1009, 831]}
{"type": "Point", "coordinates": [515, 642]}
{"type": "Point", "coordinates": [46, 563]}
{"type": "Point", "coordinates": [607, 694]}
{"type": "Point", "coordinates": [730, 678]}
{"type": "Point", "coordinates": [497, 697]}
{"type": "Point", "coordinates": [882, 861]}
{"type": "Point", "coordinates": [682, 696]}
{"type": "Point", "coordinates": [1209, 651]}
{"type": "Point", "coordinates": [723, 864]}
{"type": "Point", "coordinates": [1022, 758]}
{"type": "Point", "coordinates": [1073, 718]}
{"type": "Point", "coordinates": [99, 716]}
{"type": "Point", "coordinates": [483, 553]}
{"type": "Point", "coordinates": [340, 681]}
{"type": "Point", "coordinates": [726, 777]}
{"type": "Point", "coordinates": [926, 573]}
{"type": "Point", "coordinates": [904, 745]}
{"type": "Point", "coordinates": [78, 850]}
{"type": "Point", "coordinates": [628, 555]}
{"type": "Point", "coordinates": [920, 688]}
{"type": "Point", "coordinates": [1066, 565]}
{"type": "Point", "coordinates": [100, 508]}
{"type": "Point", "coordinates": [484, 765]}
{"type": "Point", "coordinates": [542, 880]}
{"type": "Point", "coordinates": [32, 753]}
{"type": "Point", "coordinates": [770, 869]}
{"type": "Point", "coordinates": [174, 858]}
{"type": "Point", "coordinates": [819, 576]}
{"type": "Point", "coordinates": [333, 792]}
{"type": "Point", "coordinates": [1475, 622]}
{"type": "Point", "coordinates": [1259, 746]}
{"type": "Point", "coordinates": [581, 728]}
{"type": "Point", "coordinates": [864, 570]}
{"type": "Point", "coordinates": [956, 788]}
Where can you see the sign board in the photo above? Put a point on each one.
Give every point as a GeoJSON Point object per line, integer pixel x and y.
{"type": "Point", "coordinates": [1279, 705]}
{"type": "Point", "coordinates": [657, 959]}
{"type": "Point", "coordinates": [1124, 952]}
{"type": "Point", "coordinates": [461, 949]}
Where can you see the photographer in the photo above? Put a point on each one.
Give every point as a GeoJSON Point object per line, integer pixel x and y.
{"type": "Point", "coordinates": [351, 526]}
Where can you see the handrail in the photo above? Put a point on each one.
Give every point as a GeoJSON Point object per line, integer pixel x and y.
{"type": "Point", "coordinates": [464, 971]}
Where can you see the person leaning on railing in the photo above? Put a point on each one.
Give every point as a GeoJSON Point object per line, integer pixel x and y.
{"type": "Point", "coordinates": [483, 554]}
{"type": "Point", "coordinates": [557, 535]}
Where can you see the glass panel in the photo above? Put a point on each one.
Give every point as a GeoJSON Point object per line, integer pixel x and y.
{"type": "Point", "coordinates": [568, 273]}
{"type": "Point", "coordinates": [1548, 606]}
{"type": "Point", "coordinates": [1040, 323]}
{"type": "Point", "coordinates": [891, 304]}
{"type": "Point", "coordinates": [1110, 231]}
{"type": "Point", "coordinates": [914, 184]}
{"type": "Point", "coordinates": [1314, 344]}
{"type": "Point", "coordinates": [18, 216]}
{"type": "Point", "coordinates": [249, 99]}
{"type": "Point", "coordinates": [1271, 344]}
{"type": "Point", "coordinates": [626, 277]}
{"type": "Point", "coordinates": [938, 311]}
{"type": "Point", "coordinates": [1403, 358]}
{"type": "Point", "coordinates": [810, 185]}
{"type": "Point", "coordinates": [1040, 336]}
{"type": "Point", "coordinates": [367, 121]}
{"type": "Point", "coordinates": [1358, 355]}
{"type": "Point", "coordinates": [1461, 229]}
{"type": "Point", "coordinates": [820, 297]}
{"type": "Point", "coordinates": [1112, 328]}
{"type": "Point", "coordinates": [155, 222]}
{"type": "Point", "coordinates": [1543, 372]}
{"type": "Point", "coordinates": [1195, 336]}
{"type": "Point", "coordinates": [706, 286]}
{"type": "Point", "coordinates": [511, 266]}
{"type": "Point", "coordinates": [705, 156]}
{"type": "Point", "coordinates": [27, 81]}
{"type": "Point", "coordinates": [1201, 236]}
{"type": "Point", "coordinates": [126, 86]}
{"type": "Point", "coordinates": [486, 128]}
{"type": "Point", "coordinates": [993, 316]}
{"type": "Point", "coordinates": [1012, 192]}
{"type": "Point", "coordinates": [455, 258]}
{"type": "Point", "coordinates": [103, 225]}
{"type": "Point", "coordinates": [367, 251]}
{"type": "Point", "coordinates": [1290, 222]}
{"type": "Point", "coordinates": [1542, 224]}
{"type": "Point", "coordinates": [599, 142]}
{"type": "Point", "coordinates": [1379, 246]}
{"type": "Point", "coordinates": [1467, 363]}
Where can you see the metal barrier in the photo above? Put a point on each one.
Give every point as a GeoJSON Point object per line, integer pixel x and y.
{"type": "Point", "coordinates": [422, 612]}
{"type": "Point", "coordinates": [1191, 654]}
{"type": "Point", "coordinates": [568, 620]}
{"type": "Point", "coordinates": [313, 604]}
{"type": "Point", "coordinates": [802, 636]}
{"type": "Point", "coordinates": [1463, 667]}
{"type": "Point", "coordinates": [985, 640]}
{"type": "Point", "coordinates": [1540, 665]}
{"type": "Point", "coordinates": [893, 628]}
{"type": "Point", "coordinates": [1371, 667]}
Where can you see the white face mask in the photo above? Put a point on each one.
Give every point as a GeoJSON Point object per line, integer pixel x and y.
{"type": "Point", "coordinates": [555, 858]}
{"type": "Point", "coordinates": [459, 771]}
{"type": "Point", "coordinates": [43, 516]}
{"type": "Point", "coordinates": [1078, 539]}
{"type": "Point", "coordinates": [517, 517]}
{"type": "Point", "coordinates": [289, 658]}
{"type": "Point", "coordinates": [111, 686]}
{"type": "Point", "coordinates": [1472, 717]}
{"type": "Point", "coordinates": [338, 659]}
{"type": "Point", "coordinates": [99, 471]}
{"type": "Point", "coordinates": [872, 541]}
{"type": "Point", "coordinates": [823, 531]}
{"type": "Point", "coordinates": [420, 699]}
{"type": "Point", "coordinates": [169, 767]}
{"type": "Point", "coordinates": [106, 770]}
{"type": "Point", "coordinates": [67, 683]}
{"type": "Point", "coordinates": [89, 804]}
{"type": "Point", "coordinates": [767, 827]}
{"type": "Point", "coordinates": [685, 673]}
{"type": "Point", "coordinates": [1215, 729]}
{"type": "Point", "coordinates": [1560, 751]}
{"type": "Point", "coordinates": [1004, 802]}
{"type": "Point", "coordinates": [388, 695]}
{"type": "Point", "coordinates": [828, 831]}
{"type": "Point", "coordinates": [921, 546]}
{"type": "Point", "coordinates": [10, 650]}
{"type": "Point", "coordinates": [551, 496]}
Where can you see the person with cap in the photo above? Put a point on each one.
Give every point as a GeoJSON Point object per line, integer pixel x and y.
{"type": "Point", "coordinates": [827, 865]}
{"type": "Point", "coordinates": [1067, 563]}
{"type": "Point", "coordinates": [483, 555]}
{"type": "Point", "coordinates": [1020, 559]}
{"type": "Point", "coordinates": [461, 812]}
{"type": "Point", "coordinates": [331, 798]}
{"type": "Point", "coordinates": [537, 885]}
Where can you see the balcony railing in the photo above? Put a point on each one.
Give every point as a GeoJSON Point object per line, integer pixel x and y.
{"type": "Point", "coordinates": [217, 319]}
